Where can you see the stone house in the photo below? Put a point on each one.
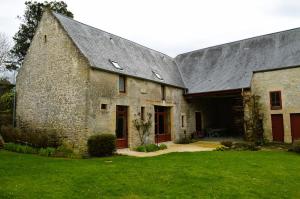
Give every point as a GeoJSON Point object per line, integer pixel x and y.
{"type": "Point", "coordinates": [82, 80]}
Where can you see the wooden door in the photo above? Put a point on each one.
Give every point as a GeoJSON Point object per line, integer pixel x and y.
{"type": "Point", "coordinates": [162, 133]}
{"type": "Point", "coordinates": [295, 126]}
{"type": "Point", "coordinates": [198, 122]}
{"type": "Point", "coordinates": [277, 127]}
{"type": "Point", "coordinates": [122, 126]}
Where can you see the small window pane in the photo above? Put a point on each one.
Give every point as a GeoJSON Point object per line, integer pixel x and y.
{"type": "Point", "coordinates": [142, 113]}
{"type": "Point", "coordinates": [157, 75]}
{"type": "Point", "coordinates": [163, 92]}
{"type": "Point", "coordinates": [121, 84]}
{"type": "Point", "coordinates": [116, 65]}
{"type": "Point", "coordinates": [275, 99]}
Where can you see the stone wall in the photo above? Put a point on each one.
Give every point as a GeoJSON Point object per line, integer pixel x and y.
{"type": "Point", "coordinates": [52, 83]}
{"type": "Point", "coordinates": [288, 82]}
{"type": "Point", "coordinates": [139, 93]}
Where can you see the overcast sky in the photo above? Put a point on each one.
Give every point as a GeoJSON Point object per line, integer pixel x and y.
{"type": "Point", "coordinates": [174, 26]}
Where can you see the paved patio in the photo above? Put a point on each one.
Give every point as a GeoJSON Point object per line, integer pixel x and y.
{"type": "Point", "coordinates": [172, 147]}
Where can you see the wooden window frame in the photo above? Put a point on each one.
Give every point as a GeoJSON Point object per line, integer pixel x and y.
{"type": "Point", "coordinates": [124, 78]}
{"type": "Point", "coordinates": [280, 100]}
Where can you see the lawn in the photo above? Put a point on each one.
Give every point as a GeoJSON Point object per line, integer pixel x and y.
{"type": "Point", "coordinates": [178, 175]}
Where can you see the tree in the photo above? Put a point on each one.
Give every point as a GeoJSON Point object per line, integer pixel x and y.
{"type": "Point", "coordinates": [4, 48]}
{"type": "Point", "coordinates": [29, 22]}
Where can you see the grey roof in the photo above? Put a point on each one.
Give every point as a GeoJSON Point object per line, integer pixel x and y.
{"type": "Point", "coordinates": [231, 66]}
{"type": "Point", "coordinates": [138, 61]}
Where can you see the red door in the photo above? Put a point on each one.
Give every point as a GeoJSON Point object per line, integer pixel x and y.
{"type": "Point", "coordinates": [277, 127]}
{"type": "Point", "coordinates": [121, 127]}
{"type": "Point", "coordinates": [162, 133]}
{"type": "Point", "coordinates": [295, 126]}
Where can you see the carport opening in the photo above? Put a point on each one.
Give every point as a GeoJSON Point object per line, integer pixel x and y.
{"type": "Point", "coordinates": [218, 115]}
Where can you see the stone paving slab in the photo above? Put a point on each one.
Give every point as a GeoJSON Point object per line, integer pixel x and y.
{"type": "Point", "coordinates": [172, 147]}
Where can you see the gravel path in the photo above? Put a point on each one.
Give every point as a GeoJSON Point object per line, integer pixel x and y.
{"type": "Point", "coordinates": [193, 147]}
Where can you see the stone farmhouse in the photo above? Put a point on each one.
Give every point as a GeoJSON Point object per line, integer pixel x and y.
{"type": "Point", "coordinates": [82, 80]}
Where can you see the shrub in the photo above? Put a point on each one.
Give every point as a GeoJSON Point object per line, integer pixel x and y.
{"type": "Point", "coordinates": [102, 145]}
{"type": "Point", "coordinates": [295, 146]}
{"type": "Point", "coordinates": [162, 147]}
{"type": "Point", "coordinates": [222, 148]}
{"type": "Point", "coordinates": [64, 150]}
{"type": "Point", "coordinates": [140, 149]}
{"type": "Point", "coordinates": [20, 148]}
{"type": "Point", "coordinates": [227, 143]}
{"type": "Point", "coordinates": [1, 142]}
{"type": "Point", "coordinates": [245, 146]}
{"type": "Point", "coordinates": [6, 101]}
{"type": "Point", "coordinates": [49, 151]}
{"type": "Point", "coordinates": [39, 138]}
{"type": "Point", "coordinates": [151, 147]}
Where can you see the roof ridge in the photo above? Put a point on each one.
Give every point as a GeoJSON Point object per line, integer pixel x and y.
{"type": "Point", "coordinates": [113, 34]}
{"type": "Point", "coordinates": [240, 40]}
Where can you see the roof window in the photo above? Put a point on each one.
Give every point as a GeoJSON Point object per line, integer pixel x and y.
{"type": "Point", "coordinates": [116, 65]}
{"type": "Point", "coordinates": [157, 75]}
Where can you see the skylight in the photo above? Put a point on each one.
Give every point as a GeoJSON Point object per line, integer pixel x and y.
{"type": "Point", "coordinates": [157, 75]}
{"type": "Point", "coordinates": [116, 65]}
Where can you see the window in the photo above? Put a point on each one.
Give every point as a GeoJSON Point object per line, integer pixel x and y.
{"type": "Point", "coordinates": [275, 100]}
{"type": "Point", "coordinates": [116, 65]}
{"type": "Point", "coordinates": [157, 75]}
{"type": "Point", "coordinates": [103, 106]}
{"type": "Point", "coordinates": [45, 38]}
{"type": "Point", "coordinates": [122, 84]}
{"type": "Point", "coordinates": [182, 121]}
{"type": "Point", "coordinates": [142, 113]}
{"type": "Point", "coordinates": [163, 92]}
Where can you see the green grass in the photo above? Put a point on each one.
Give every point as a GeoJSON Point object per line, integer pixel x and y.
{"type": "Point", "coordinates": [229, 174]}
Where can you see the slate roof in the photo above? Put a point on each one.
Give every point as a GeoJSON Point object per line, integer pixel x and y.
{"type": "Point", "coordinates": [231, 66]}
{"type": "Point", "coordinates": [138, 61]}
{"type": "Point", "coordinates": [218, 68]}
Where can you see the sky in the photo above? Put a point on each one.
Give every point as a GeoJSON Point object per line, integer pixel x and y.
{"type": "Point", "coordinates": [174, 26]}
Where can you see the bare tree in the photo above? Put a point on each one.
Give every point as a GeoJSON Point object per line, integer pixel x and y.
{"type": "Point", "coordinates": [5, 47]}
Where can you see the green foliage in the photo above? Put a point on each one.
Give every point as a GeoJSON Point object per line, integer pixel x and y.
{"type": "Point", "coordinates": [245, 146]}
{"type": "Point", "coordinates": [162, 147]}
{"type": "Point", "coordinates": [102, 145]}
{"type": "Point", "coordinates": [65, 150]}
{"type": "Point", "coordinates": [20, 148]}
{"type": "Point", "coordinates": [6, 101]}
{"type": "Point", "coordinates": [143, 127]}
{"type": "Point", "coordinates": [39, 138]}
{"type": "Point", "coordinates": [150, 148]}
{"type": "Point", "coordinates": [254, 131]}
{"type": "Point", "coordinates": [49, 151]}
{"type": "Point", "coordinates": [141, 148]}
{"type": "Point", "coordinates": [227, 143]}
{"type": "Point", "coordinates": [29, 23]}
{"type": "Point", "coordinates": [222, 148]}
{"type": "Point", "coordinates": [295, 146]}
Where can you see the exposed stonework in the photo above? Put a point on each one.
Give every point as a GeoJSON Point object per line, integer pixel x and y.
{"type": "Point", "coordinates": [288, 82]}
{"type": "Point", "coordinates": [52, 83]}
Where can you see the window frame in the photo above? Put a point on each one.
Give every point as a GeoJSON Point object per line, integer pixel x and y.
{"type": "Point", "coordinates": [280, 101]}
{"type": "Point", "coordinates": [124, 79]}
{"type": "Point", "coordinates": [142, 113]}
{"type": "Point", "coordinates": [116, 65]}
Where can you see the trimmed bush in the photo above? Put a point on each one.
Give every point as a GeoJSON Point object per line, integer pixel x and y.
{"type": "Point", "coordinates": [295, 146]}
{"type": "Point", "coordinates": [227, 143]}
{"type": "Point", "coordinates": [151, 147]}
{"type": "Point", "coordinates": [162, 147]}
{"type": "Point", "coordinates": [140, 149]}
{"type": "Point", "coordinates": [1, 142]}
{"type": "Point", "coordinates": [102, 145]}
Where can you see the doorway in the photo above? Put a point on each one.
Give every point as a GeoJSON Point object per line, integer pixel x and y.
{"type": "Point", "coordinates": [277, 127]}
{"type": "Point", "coordinates": [122, 126]}
{"type": "Point", "coordinates": [162, 124]}
{"type": "Point", "coordinates": [295, 126]}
